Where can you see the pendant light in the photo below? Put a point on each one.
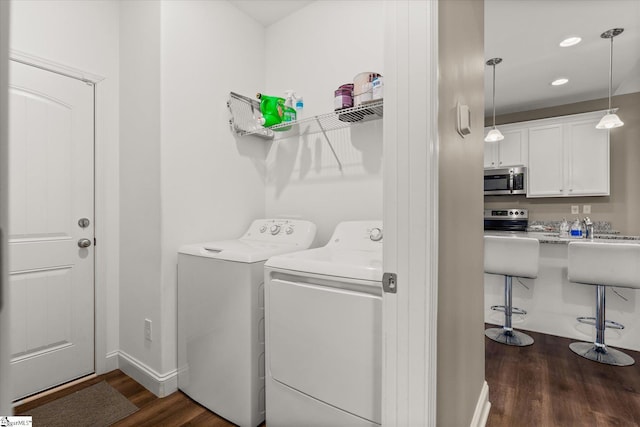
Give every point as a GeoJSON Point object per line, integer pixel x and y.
{"type": "Point", "coordinates": [494, 134]}
{"type": "Point", "coordinates": [610, 120]}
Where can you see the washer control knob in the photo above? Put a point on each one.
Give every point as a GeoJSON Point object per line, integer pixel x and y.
{"type": "Point", "coordinates": [376, 235]}
{"type": "Point", "coordinates": [263, 228]}
{"type": "Point", "coordinates": [275, 229]}
{"type": "Point", "coordinates": [289, 230]}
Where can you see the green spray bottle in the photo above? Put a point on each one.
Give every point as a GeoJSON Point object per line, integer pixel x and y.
{"type": "Point", "coordinates": [272, 109]}
{"type": "Point", "coordinates": [290, 114]}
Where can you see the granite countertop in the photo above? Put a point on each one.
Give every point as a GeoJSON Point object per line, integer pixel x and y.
{"type": "Point", "coordinates": [550, 237]}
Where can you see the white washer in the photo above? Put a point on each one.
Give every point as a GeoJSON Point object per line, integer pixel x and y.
{"type": "Point", "coordinates": [324, 331]}
{"type": "Point", "coordinates": [221, 317]}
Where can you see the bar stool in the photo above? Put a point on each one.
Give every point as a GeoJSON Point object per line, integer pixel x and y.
{"type": "Point", "coordinates": [602, 265]}
{"type": "Point", "coordinates": [510, 256]}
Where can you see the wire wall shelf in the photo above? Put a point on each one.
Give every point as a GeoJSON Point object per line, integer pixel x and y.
{"type": "Point", "coordinates": [245, 113]}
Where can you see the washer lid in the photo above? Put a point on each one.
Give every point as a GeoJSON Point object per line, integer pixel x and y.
{"type": "Point", "coordinates": [332, 261]}
{"type": "Point", "coordinates": [244, 250]}
{"type": "Point", "coordinates": [263, 239]}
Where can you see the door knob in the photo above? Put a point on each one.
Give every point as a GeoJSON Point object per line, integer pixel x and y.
{"type": "Point", "coordinates": [84, 243]}
{"type": "Point", "coordinates": [375, 235]}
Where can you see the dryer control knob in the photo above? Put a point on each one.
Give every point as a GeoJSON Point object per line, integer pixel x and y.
{"type": "Point", "coordinates": [275, 229]}
{"type": "Point", "coordinates": [289, 230]}
{"type": "Point", "coordinates": [263, 228]}
{"type": "Point", "coordinates": [376, 235]}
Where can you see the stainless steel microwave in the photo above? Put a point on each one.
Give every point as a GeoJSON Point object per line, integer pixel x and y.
{"type": "Point", "coordinates": [505, 181]}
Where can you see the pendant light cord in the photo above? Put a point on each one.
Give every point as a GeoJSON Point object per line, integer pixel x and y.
{"type": "Point", "coordinates": [494, 96]}
{"type": "Point", "coordinates": [610, 72]}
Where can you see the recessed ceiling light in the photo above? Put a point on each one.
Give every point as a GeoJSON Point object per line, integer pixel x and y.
{"type": "Point", "coordinates": [559, 82]}
{"type": "Point", "coordinates": [570, 41]}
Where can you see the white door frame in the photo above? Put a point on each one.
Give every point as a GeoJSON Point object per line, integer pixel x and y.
{"type": "Point", "coordinates": [410, 212]}
{"type": "Point", "coordinates": [5, 390]}
{"type": "Point", "coordinates": [100, 285]}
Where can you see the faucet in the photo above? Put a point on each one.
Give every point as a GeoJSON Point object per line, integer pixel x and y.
{"type": "Point", "coordinates": [588, 226]}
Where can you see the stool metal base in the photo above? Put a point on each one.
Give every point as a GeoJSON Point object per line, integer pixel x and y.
{"type": "Point", "coordinates": [508, 337]}
{"type": "Point", "coordinates": [514, 310]}
{"type": "Point", "coordinates": [607, 323]}
{"type": "Point", "coordinates": [601, 354]}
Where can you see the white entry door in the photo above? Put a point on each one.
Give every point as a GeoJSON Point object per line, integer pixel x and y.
{"type": "Point", "coordinates": [51, 283]}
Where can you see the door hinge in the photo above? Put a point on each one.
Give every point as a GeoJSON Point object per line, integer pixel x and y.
{"type": "Point", "coordinates": [390, 283]}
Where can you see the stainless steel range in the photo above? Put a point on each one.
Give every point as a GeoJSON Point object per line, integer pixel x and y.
{"type": "Point", "coordinates": [514, 219]}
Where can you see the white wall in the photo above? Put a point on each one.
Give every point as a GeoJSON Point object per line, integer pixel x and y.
{"type": "Point", "coordinates": [84, 35]}
{"type": "Point", "coordinates": [314, 51]}
{"type": "Point", "coordinates": [140, 190]}
{"type": "Point", "coordinates": [212, 185]}
{"type": "Point", "coordinates": [461, 387]}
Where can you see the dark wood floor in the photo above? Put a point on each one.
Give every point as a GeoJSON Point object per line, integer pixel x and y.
{"type": "Point", "coordinates": [174, 410]}
{"type": "Point", "coordinates": [543, 385]}
{"type": "Point", "coordinates": [546, 384]}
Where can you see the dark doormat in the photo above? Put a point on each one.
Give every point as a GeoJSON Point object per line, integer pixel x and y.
{"type": "Point", "coordinates": [97, 406]}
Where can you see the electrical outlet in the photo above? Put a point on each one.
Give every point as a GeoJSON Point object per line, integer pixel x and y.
{"type": "Point", "coordinates": [575, 209]}
{"type": "Point", "coordinates": [147, 329]}
{"type": "Point", "coordinates": [586, 209]}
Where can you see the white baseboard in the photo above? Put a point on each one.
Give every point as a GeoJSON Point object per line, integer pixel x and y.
{"type": "Point", "coordinates": [111, 362]}
{"type": "Point", "coordinates": [159, 384]}
{"type": "Point", "coordinates": [483, 406]}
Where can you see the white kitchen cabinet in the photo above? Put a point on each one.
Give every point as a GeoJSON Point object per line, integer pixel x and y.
{"type": "Point", "coordinates": [511, 151]}
{"type": "Point", "coordinates": [568, 157]}
{"type": "Point", "coordinates": [546, 161]}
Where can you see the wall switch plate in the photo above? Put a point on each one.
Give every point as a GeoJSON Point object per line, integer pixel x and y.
{"type": "Point", "coordinates": [575, 209]}
{"type": "Point", "coordinates": [463, 122]}
{"type": "Point", "coordinates": [586, 209]}
{"type": "Point", "coordinates": [147, 329]}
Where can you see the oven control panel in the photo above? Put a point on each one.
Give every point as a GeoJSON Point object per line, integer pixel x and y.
{"type": "Point", "coordinates": [506, 214]}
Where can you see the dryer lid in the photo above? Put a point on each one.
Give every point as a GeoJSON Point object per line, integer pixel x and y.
{"type": "Point", "coordinates": [328, 261]}
{"type": "Point", "coordinates": [354, 251]}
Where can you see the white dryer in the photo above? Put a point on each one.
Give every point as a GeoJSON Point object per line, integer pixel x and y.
{"type": "Point", "coordinates": [324, 331]}
{"type": "Point", "coordinates": [221, 317]}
